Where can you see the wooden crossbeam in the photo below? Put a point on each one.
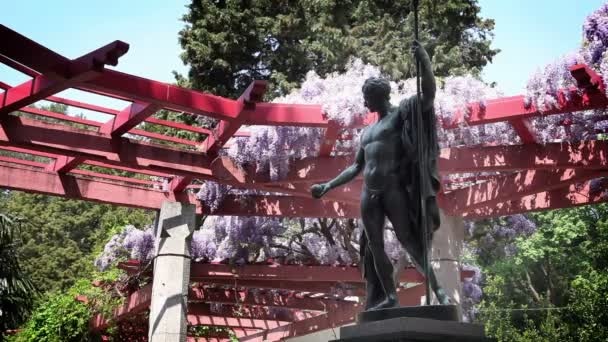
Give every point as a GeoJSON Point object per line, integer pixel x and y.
{"type": "Point", "coordinates": [268, 299]}
{"type": "Point", "coordinates": [568, 196]}
{"type": "Point", "coordinates": [513, 186]}
{"type": "Point", "coordinates": [128, 118]}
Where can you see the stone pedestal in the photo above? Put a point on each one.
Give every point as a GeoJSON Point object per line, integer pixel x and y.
{"type": "Point", "coordinates": [168, 310]}
{"type": "Point", "coordinates": [412, 329]}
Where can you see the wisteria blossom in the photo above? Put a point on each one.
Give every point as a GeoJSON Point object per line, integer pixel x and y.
{"type": "Point", "coordinates": [271, 149]}
{"type": "Point", "coordinates": [130, 243]}
{"type": "Point", "coordinates": [544, 89]}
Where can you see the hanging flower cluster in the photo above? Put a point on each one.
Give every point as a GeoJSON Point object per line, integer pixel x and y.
{"type": "Point", "coordinates": [130, 243]}
{"type": "Point", "coordinates": [543, 87]}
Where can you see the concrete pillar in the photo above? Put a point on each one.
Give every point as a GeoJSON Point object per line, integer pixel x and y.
{"type": "Point", "coordinates": [446, 253]}
{"type": "Point", "coordinates": [169, 307]}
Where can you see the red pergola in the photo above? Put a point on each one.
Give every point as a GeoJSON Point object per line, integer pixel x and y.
{"type": "Point", "coordinates": [530, 176]}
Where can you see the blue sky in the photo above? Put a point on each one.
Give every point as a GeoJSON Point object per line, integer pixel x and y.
{"type": "Point", "coordinates": [530, 33]}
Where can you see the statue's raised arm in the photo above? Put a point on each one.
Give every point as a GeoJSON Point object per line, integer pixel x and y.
{"type": "Point", "coordinates": [427, 85]}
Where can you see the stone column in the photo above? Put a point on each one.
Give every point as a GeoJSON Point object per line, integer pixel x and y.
{"type": "Point", "coordinates": [169, 307]}
{"type": "Point", "coordinates": [445, 255]}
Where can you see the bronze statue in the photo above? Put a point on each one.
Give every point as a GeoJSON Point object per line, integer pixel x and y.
{"type": "Point", "coordinates": [394, 184]}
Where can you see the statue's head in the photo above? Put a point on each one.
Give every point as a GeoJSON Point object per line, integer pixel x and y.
{"type": "Point", "coordinates": [376, 93]}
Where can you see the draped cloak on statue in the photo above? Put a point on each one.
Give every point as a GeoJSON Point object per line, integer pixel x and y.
{"type": "Point", "coordinates": [409, 175]}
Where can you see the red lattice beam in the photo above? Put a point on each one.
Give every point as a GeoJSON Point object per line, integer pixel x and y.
{"type": "Point", "coordinates": [514, 108]}
{"type": "Point", "coordinates": [579, 155]}
{"type": "Point", "coordinates": [133, 88]}
{"type": "Point", "coordinates": [525, 130]}
{"type": "Point", "coordinates": [233, 322]}
{"type": "Point", "coordinates": [64, 164]}
{"type": "Point", "coordinates": [128, 118]}
{"type": "Point", "coordinates": [333, 319]}
{"type": "Point", "coordinates": [227, 128]}
{"type": "Point", "coordinates": [268, 299]}
{"type": "Point", "coordinates": [289, 272]}
{"type": "Point", "coordinates": [69, 186]}
{"type": "Point", "coordinates": [584, 155]}
{"type": "Point", "coordinates": [135, 303]}
{"type": "Point", "coordinates": [569, 196]}
{"type": "Point", "coordinates": [63, 140]}
{"type": "Point", "coordinates": [249, 312]}
{"type": "Point", "coordinates": [514, 186]}
{"type": "Point", "coordinates": [51, 183]}
{"type": "Point", "coordinates": [329, 140]}
{"type": "Point", "coordinates": [327, 287]}
{"type": "Point", "coordinates": [283, 206]}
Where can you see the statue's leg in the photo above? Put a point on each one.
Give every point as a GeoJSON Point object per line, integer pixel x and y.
{"type": "Point", "coordinates": [372, 215]}
{"type": "Point", "coordinates": [374, 293]}
{"type": "Point", "coordinates": [395, 202]}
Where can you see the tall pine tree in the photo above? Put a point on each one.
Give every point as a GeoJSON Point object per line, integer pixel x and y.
{"type": "Point", "coordinates": [229, 43]}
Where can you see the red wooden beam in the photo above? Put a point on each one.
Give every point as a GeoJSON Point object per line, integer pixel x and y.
{"type": "Point", "coordinates": [333, 319]}
{"type": "Point", "coordinates": [301, 273]}
{"type": "Point", "coordinates": [114, 166]}
{"type": "Point", "coordinates": [565, 197]}
{"type": "Point", "coordinates": [587, 79]}
{"type": "Point", "coordinates": [248, 312]}
{"type": "Point", "coordinates": [308, 170]}
{"type": "Point", "coordinates": [50, 183]}
{"type": "Point", "coordinates": [512, 187]}
{"type": "Point", "coordinates": [68, 186]}
{"type": "Point", "coordinates": [64, 164]}
{"type": "Point", "coordinates": [276, 114]}
{"type": "Point", "coordinates": [22, 162]}
{"type": "Point", "coordinates": [179, 125]}
{"type": "Point", "coordinates": [133, 88]}
{"type": "Point", "coordinates": [283, 206]}
{"type": "Point", "coordinates": [179, 184]}
{"type": "Point", "coordinates": [207, 339]}
{"type": "Point", "coordinates": [329, 140]}
{"type": "Point", "coordinates": [82, 105]}
{"type": "Point", "coordinates": [28, 151]}
{"type": "Point", "coordinates": [73, 142]}
{"type": "Point", "coordinates": [128, 118]}
{"type": "Point", "coordinates": [226, 129]}
{"type": "Point", "coordinates": [279, 114]}
{"type": "Point", "coordinates": [269, 299]}
{"type": "Point", "coordinates": [233, 322]}
{"type": "Point", "coordinates": [586, 154]}
{"type": "Point", "coordinates": [35, 90]}
{"type": "Point", "coordinates": [60, 77]}
{"type": "Point", "coordinates": [514, 108]}
{"type": "Point", "coordinates": [129, 180]}
{"type": "Point", "coordinates": [135, 303]}
{"type": "Point", "coordinates": [25, 51]}
{"type": "Point", "coordinates": [327, 287]}
{"type": "Point", "coordinates": [163, 137]}
{"type": "Point", "coordinates": [62, 117]}
{"type": "Point", "coordinates": [525, 130]}
{"type": "Point", "coordinates": [578, 155]}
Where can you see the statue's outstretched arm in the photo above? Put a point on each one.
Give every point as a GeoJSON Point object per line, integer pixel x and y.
{"type": "Point", "coordinates": [318, 190]}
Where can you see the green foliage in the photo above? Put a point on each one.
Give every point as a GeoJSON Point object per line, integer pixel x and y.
{"type": "Point", "coordinates": [16, 290]}
{"type": "Point", "coordinates": [62, 236]}
{"type": "Point", "coordinates": [554, 288]}
{"type": "Point", "coordinates": [61, 318]}
{"type": "Point", "coordinates": [230, 43]}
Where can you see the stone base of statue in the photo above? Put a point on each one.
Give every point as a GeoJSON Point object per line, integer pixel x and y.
{"type": "Point", "coordinates": [412, 324]}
